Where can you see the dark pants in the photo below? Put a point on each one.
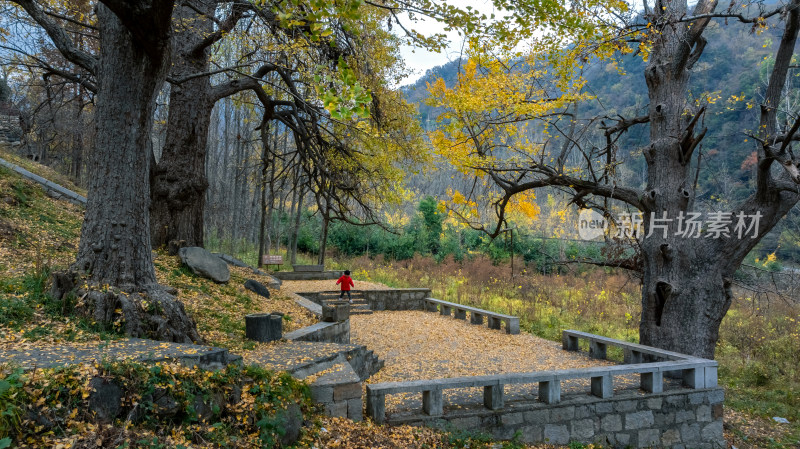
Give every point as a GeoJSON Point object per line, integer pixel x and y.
{"type": "Point", "coordinates": [348, 294]}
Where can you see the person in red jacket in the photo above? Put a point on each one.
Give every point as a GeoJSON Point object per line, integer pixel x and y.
{"type": "Point", "coordinates": [346, 282]}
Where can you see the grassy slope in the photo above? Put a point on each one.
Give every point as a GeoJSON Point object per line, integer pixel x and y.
{"type": "Point", "coordinates": [39, 234]}
{"type": "Point", "coordinates": [41, 170]}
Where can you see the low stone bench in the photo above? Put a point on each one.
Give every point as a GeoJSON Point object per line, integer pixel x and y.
{"type": "Point", "coordinates": [634, 354]}
{"type": "Point", "coordinates": [476, 315]}
{"type": "Point", "coordinates": [597, 347]}
{"type": "Point", "coordinates": [698, 374]}
{"type": "Point", "coordinates": [307, 268]}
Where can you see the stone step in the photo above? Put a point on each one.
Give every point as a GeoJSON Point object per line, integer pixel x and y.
{"type": "Point", "coordinates": [298, 356]}
{"type": "Point", "coordinates": [361, 312]}
{"type": "Point", "coordinates": [319, 366]}
{"type": "Point", "coordinates": [337, 300]}
{"type": "Point", "coordinates": [303, 359]}
{"type": "Point", "coordinates": [338, 389]}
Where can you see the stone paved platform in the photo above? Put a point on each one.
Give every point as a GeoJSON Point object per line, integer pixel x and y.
{"type": "Point", "coordinates": [295, 355]}
{"type": "Point", "coordinates": [133, 349]}
{"type": "Point", "coordinates": [417, 345]}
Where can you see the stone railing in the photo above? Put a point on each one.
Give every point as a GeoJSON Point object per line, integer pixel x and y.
{"type": "Point", "coordinates": [697, 373]}
{"type": "Point", "coordinates": [389, 299]}
{"type": "Point", "coordinates": [476, 315]}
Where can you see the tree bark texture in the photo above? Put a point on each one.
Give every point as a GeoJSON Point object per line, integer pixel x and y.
{"type": "Point", "coordinates": [115, 237]}
{"type": "Point", "coordinates": [682, 290]}
{"type": "Point", "coordinates": [687, 281]}
{"type": "Point", "coordinates": [178, 181]}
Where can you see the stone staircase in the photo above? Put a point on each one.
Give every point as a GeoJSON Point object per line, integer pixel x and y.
{"type": "Point", "coordinates": [360, 307]}
{"type": "Point", "coordinates": [334, 371]}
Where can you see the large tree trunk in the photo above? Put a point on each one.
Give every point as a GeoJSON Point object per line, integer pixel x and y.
{"type": "Point", "coordinates": [263, 189]}
{"type": "Point", "coordinates": [115, 237]}
{"type": "Point", "coordinates": [178, 181]}
{"type": "Point", "coordinates": [686, 290]}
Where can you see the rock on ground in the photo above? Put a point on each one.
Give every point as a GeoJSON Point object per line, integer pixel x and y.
{"type": "Point", "coordinates": [291, 421]}
{"type": "Point", "coordinates": [205, 264]}
{"type": "Point", "coordinates": [105, 398]}
{"type": "Point", "coordinates": [257, 288]}
{"type": "Point", "coordinates": [231, 260]}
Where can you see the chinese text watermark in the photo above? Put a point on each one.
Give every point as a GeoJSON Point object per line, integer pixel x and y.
{"type": "Point", "coordinates": [591, 225]}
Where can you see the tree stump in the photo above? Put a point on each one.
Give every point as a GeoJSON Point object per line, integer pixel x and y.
{"type": "Point", "coordinates": [263, 327]}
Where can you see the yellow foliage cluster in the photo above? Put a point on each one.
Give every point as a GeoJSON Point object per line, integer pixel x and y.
{"type": "Point", "coordinates": [515, 84]}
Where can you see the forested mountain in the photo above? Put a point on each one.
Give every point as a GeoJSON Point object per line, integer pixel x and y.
{"type": "Point", "coordinates": [730, 78]}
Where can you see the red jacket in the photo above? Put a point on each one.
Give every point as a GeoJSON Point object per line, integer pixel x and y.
{"type": "Point", "coordinates": [346, 282]}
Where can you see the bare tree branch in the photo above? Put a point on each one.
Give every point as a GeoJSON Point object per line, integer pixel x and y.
{"type": "Point", "coordinates": [59, 36]}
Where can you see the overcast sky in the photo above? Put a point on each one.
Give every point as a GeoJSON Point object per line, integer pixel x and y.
{"type": "Point", "coordinates": [420, 60]}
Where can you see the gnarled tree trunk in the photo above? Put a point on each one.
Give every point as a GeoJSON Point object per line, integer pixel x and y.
{"type": "Point", "coordinates": [687, 281]}
{"type": "Point", "coordinates": [178, 181]}
{"type": "Point", "coordinates": [115, 237]}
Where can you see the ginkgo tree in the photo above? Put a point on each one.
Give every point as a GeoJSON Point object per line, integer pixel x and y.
{"type": "Point", "coordinates": [139, 43]}
{"type": "Point", "coordinates": [524, 132]}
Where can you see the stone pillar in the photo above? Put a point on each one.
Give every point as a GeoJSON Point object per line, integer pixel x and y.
{"type": "Point", "coordinates": [334, 312]}
{"type": "Point", "coordinates": [569, 342]}
{"type": "Point", "coordinates": [632, 356]}
{"type": "Point", "coordinates": [694, 377]}
{"type": "Point", "coordinates": [550, 391]}
{"type": "Point", "coordinates": [376, 407]}
{"type": "Point", "coordinates": [433, 402]}
{"type": "Point", "coordinates": [512, 326]}
{"type": "Point", "coordinates": [597, 350]}
{"type": "Point", "coordinates": [475, 318]}
{"type": "Point", "coordinates": [653, 382]}
{"type": "Point", "coordinates": [602, 386]}
{"type": "Point", "coordinates": [493, 397]}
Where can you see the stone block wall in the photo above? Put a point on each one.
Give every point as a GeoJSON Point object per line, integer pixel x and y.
{"type": "Point", "coordinates": [339, 392]}
{"type": "Point", "coordinates": [390, 299]}
{"type": "Point", "coordinates": [10, 130]}
{"type": "Point", "coordinates": [397, 299]}
{"type": "Point", "coordinates": [323, 332]}
{"type": "Point", "coordinates": [680, 419]}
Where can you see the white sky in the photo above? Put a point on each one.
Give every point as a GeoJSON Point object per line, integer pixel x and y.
{"type": "Point", "coordinates": [420, 60]}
